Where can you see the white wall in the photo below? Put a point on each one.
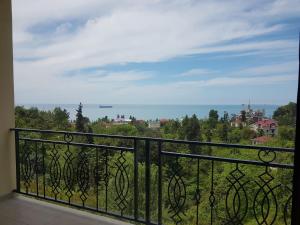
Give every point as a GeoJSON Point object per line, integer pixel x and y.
{"type": "Point", "coordinates": [7, 121]}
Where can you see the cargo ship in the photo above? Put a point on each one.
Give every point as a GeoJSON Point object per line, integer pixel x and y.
{"type": "Point", "coordinates": [105, 106]}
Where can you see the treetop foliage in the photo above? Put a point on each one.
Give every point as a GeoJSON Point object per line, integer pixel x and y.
{"type": "Point", "coordinates": [213, 129]}
{"type": "Point", "coordinates": [286, 115]}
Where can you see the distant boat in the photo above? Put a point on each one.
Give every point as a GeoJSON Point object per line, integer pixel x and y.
{"type": "Point", "coordinates": [105, 106]}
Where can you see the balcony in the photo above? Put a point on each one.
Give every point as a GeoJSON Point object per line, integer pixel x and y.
{"type": "Point", "coordinates": [61, 177]}
{"type": "Point", "coordinates": [150, 180]}
{"type": "Point", "coordinates": [19, 210]}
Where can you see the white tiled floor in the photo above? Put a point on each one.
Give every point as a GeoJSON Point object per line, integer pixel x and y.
{"type": "Point", "coordinates": [19, 210]}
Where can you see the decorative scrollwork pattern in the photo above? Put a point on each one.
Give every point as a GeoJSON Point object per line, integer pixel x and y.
{"type": "Point", "coordinates": [265, 203]}
{"type": "Point", "coordinates": [68, 174]}
{"type": "Point", "coordinates": [27, 167]}
{"type": "Point", "coordinates": [287, 208]}
{"type": "Point", "coordinates": [176, 194]}
{"type": "Point", "coordinates": [121, 182]}
{"type": "Point", "coordinates": [267, 156]}
{"type": "Point", "coordinates": [236, 197]}
{"type": "Point", "coordinates": [68, 137]}
{"type": "Point", "coordinates": [83, 175]}
{"type": "Point", "coordinates": [55, 171]}
{"type": "Point", "coordinates": [101, 170]}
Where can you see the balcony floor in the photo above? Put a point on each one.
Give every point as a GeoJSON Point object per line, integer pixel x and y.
{"type": "Point", "coordinates": [19, 210]}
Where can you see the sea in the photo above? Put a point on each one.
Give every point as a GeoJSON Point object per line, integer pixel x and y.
{"type": "Point", "coordinates": [151, 112]}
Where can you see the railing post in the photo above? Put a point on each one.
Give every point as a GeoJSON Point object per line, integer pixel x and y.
{"type": "Point", "coordinates": [97, 178]}
{"type": "Point", "coordinates": [159, 184]}
{"type": "Point", "coordinates": [17, 160]}
{"type": "Point", "coordinates": [136, 184]}
{"type": "Point", "coordinates": [296, 177]}
{"type": "Point", "coordinates": [147, 181]}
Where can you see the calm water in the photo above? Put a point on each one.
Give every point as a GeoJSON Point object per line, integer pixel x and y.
{"type": "Point", "coordinates": [147, 112]}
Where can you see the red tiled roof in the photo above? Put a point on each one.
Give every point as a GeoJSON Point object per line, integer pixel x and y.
{"type": "Point", "coordinates": [163, 120]}
{"type": "Point", "coordinates": [266, 123]}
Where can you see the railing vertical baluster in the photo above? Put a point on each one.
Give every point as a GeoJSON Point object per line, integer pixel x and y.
{"type": "Point", "coordinates": [97, 178]}
{"type": "Point", "coordinates": [68, 159]}
{"type": "Point", "coordinates": [18, 181]}
{"type": "Point", "coordinates": [159, 183]}
{"type": "Point", "coordinates": [106, 179]}
{"type": "Point", "coordinates": [198, 190]}
{"type": "Point", "coordinates": [147, 181]}
{"type": "Point", "coordinates": [136, 180]}
{"type": "Point", "coordinates": [212, 197]}
{"type": "Point", "coordinates": [36, 169]}
{"type": "Point", "coordinates": [26, 167]}
{"type": "Point", "coordinates": [44, 169]}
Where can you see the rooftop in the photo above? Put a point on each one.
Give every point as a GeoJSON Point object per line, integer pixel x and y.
{"type": "Point", "coordinates": [266, 122]}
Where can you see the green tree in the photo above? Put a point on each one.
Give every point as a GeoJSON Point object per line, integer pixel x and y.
{"type": "Point", "coordinates": [90, 139]}
{"type": "Point", "coordinates": [235, 135]}
{"type": "Point", "coordinates": [247, 133]}
{"type": "Point", "coordinates": [208, 135]}
{"type": "Point", "coordinates": [286, 133]}
{"type": "Point", "coordinates": [61, 118]}
{"type": "Point", "coordinates": [222, 130]}
{"type": "Point", "coordinates": [184, 128]}
{"type": "Point", "coordinates": [193, 131]}
{"type": "Point", "coordinates": [190, 129]}
{"type": "Point", "coordinates": [80, 120]}
{"type": "Point", "coordinates": [225, 118]}
{"type": "Point", "coordinates": [33, 118]}
{"type": "Point", "coordinates": [171, 127]}
{"type": "Point", "coordinates": [286, 115]}
{"type": "Point", "coordinates": [260, 132]}
{"type": "Point", "coordinates": [213, 118]}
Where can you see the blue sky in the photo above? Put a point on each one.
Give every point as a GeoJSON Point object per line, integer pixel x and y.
{"type": "Point", "coordinates": [156, 52]}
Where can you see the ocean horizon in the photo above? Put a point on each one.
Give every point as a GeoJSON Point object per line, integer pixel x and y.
{"type": "Point", "coordinates": [151, 112]}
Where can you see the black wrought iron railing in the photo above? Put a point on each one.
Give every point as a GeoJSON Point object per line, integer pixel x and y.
{"type": "Point", "coordinates": [157, 181]}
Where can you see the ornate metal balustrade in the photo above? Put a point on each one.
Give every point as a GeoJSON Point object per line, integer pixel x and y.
{"type": "Point", "coordinates": [156, 181]}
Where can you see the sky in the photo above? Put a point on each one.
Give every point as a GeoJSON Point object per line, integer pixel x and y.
{"type": "Point", "coordinates": [156, 51]}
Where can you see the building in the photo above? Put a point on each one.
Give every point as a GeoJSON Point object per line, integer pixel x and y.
{"type": "Point", "coordinates": [154, 124]}
{"type": "Point", "coordinates": [257, 116]}
{"type": "Point", "coordinates": [121, 119]}
{"type": "Point", "coordinates": [247, 116]}
{"type": "Point", "coordinates": [163, 121]}
{"type": "Point", "coordinates": [139, 121]}
{"type": "Point", "coordinates": [237, 122]}
{"type": "Point", "coordinates": [268, 126]}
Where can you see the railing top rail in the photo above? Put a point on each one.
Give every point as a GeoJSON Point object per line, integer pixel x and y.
{"type": "Point", "coordinates": [238, 146]}
{"type": "Point", "coordinates": [229, 160]}
{"type": "Point", "coordinates": [79, 144]}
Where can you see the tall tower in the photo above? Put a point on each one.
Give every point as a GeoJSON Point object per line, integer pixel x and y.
{"type": "Point", "coordinates": [249, 106]}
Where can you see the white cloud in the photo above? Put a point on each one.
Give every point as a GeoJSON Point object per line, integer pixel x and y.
{"type": "Point", "coordinates": [196, 72]}
{"type": "Point", "coordinates": [279, 68]}
{"type": "Point", "coordinates": [93, 33]}
{"type": "Point", "coordinates": [273, 47]}
{"type": "Point", "coordinates": [145, 32]}
{"type": "Point", "coordinates": [122, 77]}
{"type": "Point", "coordinates": [230, 81]}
